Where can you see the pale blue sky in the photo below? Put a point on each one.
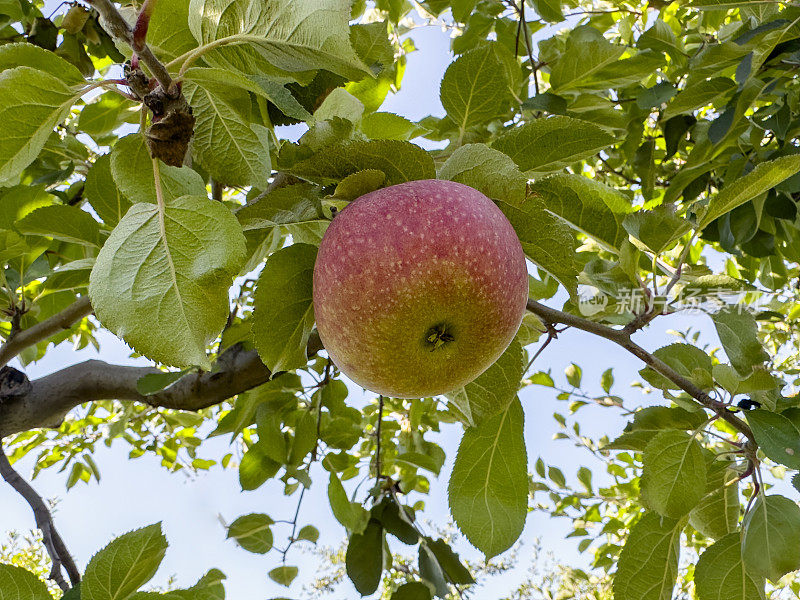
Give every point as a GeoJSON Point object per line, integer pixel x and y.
{"type": "Point", "coordinates": [136, 493]}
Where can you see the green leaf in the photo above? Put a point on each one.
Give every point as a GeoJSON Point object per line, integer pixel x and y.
{"type": "Point", "coordinates": [252, 532]}
{"type": "Point", "coordinates": [401, 161]}
{"type": "Point", "coordinates": [587, 52]}
{"type": "Point", "coordinates": [104, 115]}
{"type": "Point", "coordinates": [652, 419]}
{"type": "Point", "coordinates": [125, 565]}
{"type": "Point", "coordinates": [308, 35]}
{"type": "Point", "coordinates": [389, 126]}
{"type": "Point", "coordinates": [396, 521]}
{"type": "Point", "coordinates": [621, 73]}
{"type": "Point", "coordinates": [487, 170]}
{"type": "Point", "coordinates": [356, 185]}
{"type": "Point", "coordinates": [75, 594]}
{"type": "Point", "coordinates": [208, 588]}
{"type": "Point", "coordinates": [161, 280]}
{"type": "Point", "coordinates": [546, 240]}
{"type": "Point", "coordinates": [717, 514]}
{"type": "Point", "coordinates": [657, 229]}
{"type": "Point", "coordinates": [32, 103]}
{"type": "Point", "coordinates": [551, 144]}
{"type": "Point", "coordinates": [103, 194]}
{"type": "Point", "coordinates": [414, 590]}
{"type": "Point", "coordinates": [712, 59]}
{"type": "Point", "coordinates": [607, 380]}
{"type": "Point", "coordinates": [283, 316]}
{"type": "Point", "coordinates": [291, 205]}
{"type": "Point", "coordinates": [234, 151]}
{"type": "Point", "coordinates": [25, 54]}
{"type": "Point", "coordinates": [153, 383]}
{"type": "Point", "coordinates": [305, 436]}
{"type": "Point", "coordinates": [283, 575]}
{"type": "Point", "coordinates": [168, 34]}
{"type": "Point", "coordinates": [132, 171]}
{"type": "Point", "coordinates": [416, 459]}
{"type": "Point", "coordinates": [262, 85]}
{"type": "Point", "coordinates": [769, 540]}
{"type": "Point", "coordinates": [718, 4]}
{"type": "Point", "coordinates": [351, 515]}
{"type": "Point", "coordinates": [549, 10]}
{"type": "Point", "coordinates": [494, 390]}
{"type": "Point", "coordinates": [18, 584]}
{"type": "Point", "coordinates": [488, 488]}
{"type": "Point", "coordinates": [431, 571]}
{"type": "Point", "coordinates": [455, 570]}
{"type": "Point", "coordinates": [62, 222]}
{"type": "Point", "coordinates": [655, 96]}
{"type": "Point", "coordinates": [548, 102]}
{"type": "Point", "coordinates": [574, 374]}
{"type": "Point", "coordinates": [698, 95]}
{"type": "Point", "coordinates": [587, 205]}
{"type": "Point", "coordinates": [275, 92]}
{"type": "Point", "coordinates": [738, 332]}
{"type": "Point", "coordinates": [777, 436]}
{"type": "Point", "coordinates": [674, 473]}
{"type": "Point", "coordinates": [474, 89]}
{"type": "Point", "coordinates": [687, 360]}
{"type": "Point", "coordinates": [648, 564]}
{"type": "Point", "coordinates": [720, 573]}
{"type": "Point", "coordinates": [364, 558]}
{"type": "Point", "coordinates": [340, 104]}
{"type": "Point", "coordinates": [308, 533]}
{"type": "Point", "coordinates": [256, 467]}
{"type": "Point", "coordinates": [766, 175]}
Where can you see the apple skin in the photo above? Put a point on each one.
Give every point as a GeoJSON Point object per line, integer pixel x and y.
{"type": "Point", "coordinates": [419, 288]}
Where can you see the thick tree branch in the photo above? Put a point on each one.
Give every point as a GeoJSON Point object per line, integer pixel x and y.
{"type": "Point", "coordinates": [119, 29]}
{"type": "Point", "coordinates": [41, 331]}
{"type": "Point", "coordinates": [53, 396]}
{"type": "Point", "coordinates": [44, 521]}
{"type": "Point", "coordinates": [236, 371]}
{"type": "Point", "coordinates": [622, 338]}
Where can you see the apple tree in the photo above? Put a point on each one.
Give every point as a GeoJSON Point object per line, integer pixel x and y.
{"type": "Point", "coordinates": [646, 156]}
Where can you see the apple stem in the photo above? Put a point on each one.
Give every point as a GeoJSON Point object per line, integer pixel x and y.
{"type": "Point", "coordinates": [438, 336]}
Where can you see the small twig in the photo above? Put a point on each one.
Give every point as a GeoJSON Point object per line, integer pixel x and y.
{"type": "Point", "coordinates": [44, 521]}
{"type": "Point", "coordinates": [622, 338]}
{"type": "Point", "coordinates": [292, 539]}
{"type": "Point", "coordinates": [526, 33]}
{"type": "Point", "coordinates": [552, 334]}
{"type": "Point", "coordinates": [678, 271]}
{"type": "Point", "coordinates": [119, 29]}
{"type": "Point", "coordinates": [378, 466]}
{"type": "Point", "coordinates": [325, 381]}
{"type": "Point", "coordinates": [41, 331]}
{"type": "Point", "coordinates": [216, 190]}
{"type": "Point", "coordinates": [603, 12]}
{"type": "Point", "coordinates": [630, 180]}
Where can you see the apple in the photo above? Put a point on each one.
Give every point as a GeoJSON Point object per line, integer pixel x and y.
{"type": "Point", "coordinates": [419, 288]}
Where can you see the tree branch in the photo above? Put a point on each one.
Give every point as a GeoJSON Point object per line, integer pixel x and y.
{"type": "Point", "coordinates": [41, 331]}
{"type": "Point", "coordinates": [51, 397]}
{"type": "Point", "coordinates": [44, 521]}
{"type": "Point", "coordinates": [623, 339]}
{"type": "Point", "coordinates": [119, 29]}
{"type": "Point", "coordinates": [236, 371]}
